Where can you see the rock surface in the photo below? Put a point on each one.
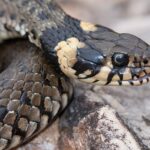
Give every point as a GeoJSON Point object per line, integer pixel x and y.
{"type": "Point", "coordinates": [103, 118]}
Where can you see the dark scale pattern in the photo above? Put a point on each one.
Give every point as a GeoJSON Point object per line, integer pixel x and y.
{"type": "Point", "coordinates": [33, 100]}
{"type": "Point", "coordinates": [52, 36]}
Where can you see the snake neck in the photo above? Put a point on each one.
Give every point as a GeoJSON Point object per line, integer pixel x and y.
{"type": "Point", "coordinates": [68, 28]}
{"type": "Point", "coordinates": [60, 28]}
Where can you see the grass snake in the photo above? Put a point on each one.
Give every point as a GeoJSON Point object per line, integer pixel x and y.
{"type": "Point", "coordinates": [35, 85]}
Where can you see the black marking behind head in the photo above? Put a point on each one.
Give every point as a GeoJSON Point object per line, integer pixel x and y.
{"type": "Point", "coordinates": [51, 36]}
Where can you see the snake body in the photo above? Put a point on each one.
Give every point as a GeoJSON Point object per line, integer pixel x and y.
{"type": "Point", "coordinates": [33, 84]}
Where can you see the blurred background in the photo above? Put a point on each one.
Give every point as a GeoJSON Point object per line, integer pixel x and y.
{"type": "Point", "coordinates": [132, 16]}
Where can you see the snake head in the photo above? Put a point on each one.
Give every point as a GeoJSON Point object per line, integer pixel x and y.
{"type": "Point", "coordinates": [104, 57]}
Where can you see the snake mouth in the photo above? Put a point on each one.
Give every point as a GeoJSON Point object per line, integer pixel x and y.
{"type": "Point", "coordinates": [134, 76]}
{"type": "Point", "coordinates": [120, 76]}
{"type": "Point", "coordinates": [134, 82]}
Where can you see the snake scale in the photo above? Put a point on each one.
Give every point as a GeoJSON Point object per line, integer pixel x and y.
{"type": "Point", "coordinates": [34, 87]}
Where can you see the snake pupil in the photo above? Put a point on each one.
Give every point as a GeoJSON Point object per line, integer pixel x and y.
{"type": "Point", "coordinates": [120, 59]}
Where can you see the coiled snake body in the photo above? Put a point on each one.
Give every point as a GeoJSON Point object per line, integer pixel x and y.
{"type": "Point", "coordinates": [33, 85]}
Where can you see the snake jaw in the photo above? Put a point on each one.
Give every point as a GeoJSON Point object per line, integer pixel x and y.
{"type": "Point", "coordinates": [124, 76]}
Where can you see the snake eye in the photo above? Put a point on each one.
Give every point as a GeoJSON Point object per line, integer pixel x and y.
{"type": "Point", "coordinates": [120, 59]}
